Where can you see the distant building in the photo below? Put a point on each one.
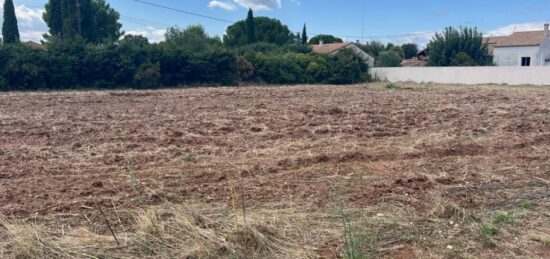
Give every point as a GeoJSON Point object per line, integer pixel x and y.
{"type": "Point", "coordinates": [414, 62]}
{"type": "Point", "coordinates": [334, 48]}
{"type": "Point", "coordinates": [421, 60]}
{"type": "Point", "coordinates": [526, 48]}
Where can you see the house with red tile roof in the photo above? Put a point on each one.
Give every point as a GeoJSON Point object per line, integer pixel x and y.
{"type": "Point", "coordinates": [334, 48]}
{"type": "Point", "coordinates": [526, 48]}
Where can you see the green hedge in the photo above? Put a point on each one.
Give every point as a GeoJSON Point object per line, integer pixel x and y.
{"type": "Point", "coordinates": [134, 63]}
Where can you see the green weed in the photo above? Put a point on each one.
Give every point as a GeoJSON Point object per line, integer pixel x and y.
{"type": "Point", "coordinates": [503, 218]}
{"type": "Point", "coordinates": [526, 205]}
{"type": "Point", "coordinates": [390, 86]}
{"type": "Point", "coordinates": [486, 231]}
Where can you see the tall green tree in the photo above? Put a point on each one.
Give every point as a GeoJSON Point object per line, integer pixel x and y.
{"type": "Point", "coordinates": [410, 50]}
{"type": "Point", "coordinates": [250, 27]}
{"type": "Point", "coordinates": [445, 47]}
{"type": "Point", "coordinates": [93, 20]}
{"type": "Point", "coordinates": [327, 39]}
{"type": "Point", "coordinates": [10, 31]}
{"type": "Point", "coordinates": [192, 39]}
{"type": "Point", "coordinates": [373, 48]}
{"type": "Point", "coordinates": [304, 35]}
{"type": "Point", "coordinates": [266, 30]}
{"type": "Point", "coordinates": [398, 50]}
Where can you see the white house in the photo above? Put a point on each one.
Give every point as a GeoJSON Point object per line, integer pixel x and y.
{"type": "Point", "coordinates": [528, 48]}
{"type": "Point", "coordinates": [334, 48]}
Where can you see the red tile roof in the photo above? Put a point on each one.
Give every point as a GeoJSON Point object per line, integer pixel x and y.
{"type": "Point", "coordinates": [329, 48]}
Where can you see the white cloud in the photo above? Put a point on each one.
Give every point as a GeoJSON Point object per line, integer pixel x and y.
{"type": "Point", "coordinates": [257, 5]}
{"type": "Point", "coordinates": [29, 20]}
{"type": "Point", "coordinates": [420, 38]}
{"type": "Point", "coordinates": [228, 6]}
{"type": "Point", "coordinates": [152, 33]}
{"type": "Point", "coordinates": [509, 29]}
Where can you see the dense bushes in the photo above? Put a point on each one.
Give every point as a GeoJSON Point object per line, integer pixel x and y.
{"type": "Point", "coordinates": [135, 63]}
{"type": "Point", "coordinates": [297, 68]}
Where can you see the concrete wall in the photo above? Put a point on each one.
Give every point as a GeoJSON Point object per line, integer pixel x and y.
{"type": "Point", "coordinates": [511, 56]}
{"type": "Point", "coordinates": [465, 75]}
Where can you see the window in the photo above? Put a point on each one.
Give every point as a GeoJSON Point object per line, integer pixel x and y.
{"type": "Point", "coordinates": [525, 61]}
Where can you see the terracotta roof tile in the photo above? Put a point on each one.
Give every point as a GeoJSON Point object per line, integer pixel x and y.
{"type": "Point", "coordinates": [329, 48]}
{"type": "Point", "coordinates": [524, 38]}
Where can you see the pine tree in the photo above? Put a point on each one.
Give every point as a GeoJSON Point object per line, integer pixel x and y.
{"type": "Point", "coordinates": [93, 20]}
{"type": "Point", "coordinates": [250, 27]}
{"type": "Point", "coordinates": [304, 35]}
{"type": "Point", "coordinates": [10, 32]}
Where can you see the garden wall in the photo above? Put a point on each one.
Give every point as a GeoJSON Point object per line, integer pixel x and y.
{"type": "Point", "coordinates": [465, 75]}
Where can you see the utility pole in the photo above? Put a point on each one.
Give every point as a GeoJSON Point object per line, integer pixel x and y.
{"type": "Point", "coordinates": [78, 20]}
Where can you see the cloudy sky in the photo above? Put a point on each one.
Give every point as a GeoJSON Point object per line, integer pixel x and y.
{"type": "Point", "coordinates": [403, 21]}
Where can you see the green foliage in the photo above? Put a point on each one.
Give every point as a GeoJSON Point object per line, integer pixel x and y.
{"type": "Point", "coordinates": [250, 27]}
{"type": "Point", "coordinates": [90, 54]}
{"type": "Point", "coordinates": [10, 31]}
{"type": "Point", "coordinates": [409, 50]}
{"type": "Point", "coordinates": [526, 205]}
{"type": "Point", "coordinates": [327, 39]}
{"type": "Point", "coordinates": [98, 22]}
{"type": "Point", "coordinates": [399, 51]}
{"type": "Point", "coordinates": [503, 218]}
{"type": "Point", "coordinates": [486, 231]}
{"type": "Point", "coordinates": [388, 59]}
{"type": "Point", "coordinates": [373, 48]}
{"type": "Point", "coordinates": [192, 39]}
{"type": "Point", "coordinates": [23, 68]}
{"type": "Point", "coordinates": [390, 86]}
{"type": "Point", "coordinates": [462, 59]}
{"type": "Point", "coordinates": [266, 30]}
{"type": "Point", "coordinates": [445, 47]}
{"type": "Point", "coordinates": [353, 241]}
{"type": "Point", "coordinates": [295, 68]}
{"type": "Point", "coordinates": [304, 35]}
{"type": "Point", "coordinates": [347, 68]}
{"type": "Point", "coordinates": [147, 76]}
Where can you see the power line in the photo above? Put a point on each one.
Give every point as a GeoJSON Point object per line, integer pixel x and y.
{"type": "Point", "coordinates": [142, 21]}
{"type": "Point", "coordinates": [314, 34]}
{"type": "Point", "coordinates": [183, 11]}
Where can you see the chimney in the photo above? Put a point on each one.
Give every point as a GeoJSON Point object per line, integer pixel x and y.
{"type": "Point", "coordinates": [321, 42]}
{"type": "Point", "coordinates": [546, 33]}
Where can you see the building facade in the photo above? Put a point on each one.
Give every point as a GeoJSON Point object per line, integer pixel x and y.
{"type": "Point", "coordinates": [531, 48]}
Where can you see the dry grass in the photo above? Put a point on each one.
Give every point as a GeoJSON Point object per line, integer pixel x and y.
{"type": "Point", "coordinates": [416, 171]}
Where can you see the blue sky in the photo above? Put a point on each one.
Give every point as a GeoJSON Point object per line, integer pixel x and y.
{"type": "Point", "coordinates": [343, 18]}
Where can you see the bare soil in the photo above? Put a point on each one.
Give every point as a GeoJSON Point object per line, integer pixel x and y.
{"type": "Point", "coordinates": [428, 155]}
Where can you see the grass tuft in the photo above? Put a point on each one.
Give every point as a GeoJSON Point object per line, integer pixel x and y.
{"type": "Point", "coordinates": [503, 218]}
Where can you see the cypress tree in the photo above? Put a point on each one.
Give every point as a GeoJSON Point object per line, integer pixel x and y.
{"type": "Point", "coordinates": [250, 27]}
{"type": "Point", "coordinates": [304, 35]}
{"type": "Point", "coordinates": [10, 32]}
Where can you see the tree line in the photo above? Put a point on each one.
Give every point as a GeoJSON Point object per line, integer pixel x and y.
{"type": "Point", "coordinates": [85, 47]}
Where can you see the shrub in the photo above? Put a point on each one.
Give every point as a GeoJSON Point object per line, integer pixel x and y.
{"type": "Point", "coordinates": [148, 76]}
{"type": "Point", "coordinates": [245, 69]}
{"type": "Point", "coordinates": [23, 68]}
{"type": "Point", "coordinates": [388, 59]}
{"type": "Point", "coordinates": [462, 59]}
{"type": "Point", "coordinates": [347, 68]}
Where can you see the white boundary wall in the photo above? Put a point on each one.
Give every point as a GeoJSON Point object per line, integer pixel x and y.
{"type": "Point", "coordinates": [464, 75]}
